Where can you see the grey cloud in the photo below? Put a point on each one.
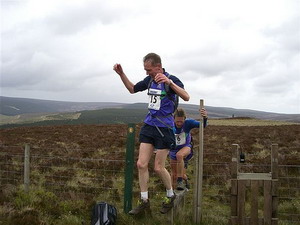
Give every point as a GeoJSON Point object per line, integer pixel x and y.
{"type": "Point", "coordinates": [75, 18]}
{"type": "Point", "coordinates": [273, 84]}
{"type": "Point", "coordinates": [286, 36]}
{"type": "Point", "coordinates": [279, 80]}
{"type": "Point", "coordinates": [216, 62]}
{"type": "Point", "coordinates": [33, 58]}
{"type": "Point", "coordinates": [44, 73]}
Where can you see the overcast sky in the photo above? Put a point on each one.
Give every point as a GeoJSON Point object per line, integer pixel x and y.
{"type": "Point", "coordinates": [243, 54]}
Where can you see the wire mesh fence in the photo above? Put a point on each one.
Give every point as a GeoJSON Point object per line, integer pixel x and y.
{"type": "Point", "coordinates": [60, 173]}
{"type": "Point", "coordinates": [101, 175]}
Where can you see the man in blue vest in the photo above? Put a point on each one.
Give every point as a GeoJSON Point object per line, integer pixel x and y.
{"type": "Point", "coordinates": [157, 131]}
{"type": "Point", "coordinates": [183, 152]}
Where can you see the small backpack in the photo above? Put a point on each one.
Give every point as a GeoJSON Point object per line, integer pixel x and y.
{"type": "Point", "coordinates": [104, 214]}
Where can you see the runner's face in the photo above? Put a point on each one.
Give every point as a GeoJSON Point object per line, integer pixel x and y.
{"type": "Point", "coordinates": [151, 70]}
{"type": "Point", "coordinates": [179, 121]}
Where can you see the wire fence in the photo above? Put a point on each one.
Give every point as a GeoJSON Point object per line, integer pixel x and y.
{"type": "Point", "coordinates": [61, 173]}
{"type": "Point", "coordinates": [101, 176]}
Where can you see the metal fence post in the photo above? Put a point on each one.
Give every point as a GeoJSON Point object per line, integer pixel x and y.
{"type": "Point", "coordinates": [26, 168]}
{"type": "Point", "coordinates": [129, 168]}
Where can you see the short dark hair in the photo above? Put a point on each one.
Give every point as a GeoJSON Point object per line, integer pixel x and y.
{"type": "Point", "coordinates": [180, 113]}
{"type": "Point", "coordinates": [153, 58]}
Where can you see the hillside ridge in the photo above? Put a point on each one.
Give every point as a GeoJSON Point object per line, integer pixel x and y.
{"type": "Point", "coordinates": [42, 112]}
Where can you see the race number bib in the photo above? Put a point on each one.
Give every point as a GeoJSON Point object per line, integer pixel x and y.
{"type": "Point", "coordinates": [180, 138]}
{"type": "Point", "coordinates": [154, 99]}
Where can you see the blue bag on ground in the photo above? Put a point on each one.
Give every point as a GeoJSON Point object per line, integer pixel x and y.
{"type": "Point", "coordinates": [104, 214]}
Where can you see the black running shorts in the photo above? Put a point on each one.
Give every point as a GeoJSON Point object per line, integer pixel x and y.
{"type": "Point", "coordinates": [159, 137]}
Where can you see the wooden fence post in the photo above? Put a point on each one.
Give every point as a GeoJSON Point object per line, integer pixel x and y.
{"type": "Point", "coordinates": [274, 169]}
{"type": "Point", "coordinates": [199, 173]}
{"type": "Point", "coordinates": [234, 183]}
{"type": "Point", "coordinates": [27, 168]}
{"type": "Point", "coordinates": [176, 212]}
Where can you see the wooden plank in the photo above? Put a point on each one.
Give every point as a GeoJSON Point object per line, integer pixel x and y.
{"type": "Point", "coordinates": [233, 198]}
{"type": "Point", "coordinates": [234, 186]}
{"type": "Point", "coordinates": [274, 161]}
{"type": "Point", "coordinates": [254, 176]}
{"type": "Point", "coordinates": [233, 220]}
{"type": "Point", "coordinates": [248, 183]}
{"type": "Point", "coordinates": [170, 216]}
{"type": "Point", "coordinates": [180, 199]}
{"type": "Point", "coordinates": [260, 183]}
{"type": "Point", "coordinates": [275, 199]}
{"type": "Point", "coordinates": [234, 161]}
{"type": "Point", "coordinates": [274, 221]}
{"type": "Point", "coordinates": [174, 213]}
{"type": "Point", "coordinates": [274, 207]}
{"type": "Point", "coordinates": [254, 202]}
{"type": "Point", "coordinates": [267, 202]}
{"type": "Point", "coordinates": [241, 201]}
{"type": "Point", "coordinates": [275, 187]}
{"type": "Point", "coordinates": [248, 221]}
{"type": "Point", "coordinates": [233, 202]}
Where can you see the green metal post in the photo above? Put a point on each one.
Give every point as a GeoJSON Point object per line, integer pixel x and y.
{"type": "Point", "coordinates": [129, 167]}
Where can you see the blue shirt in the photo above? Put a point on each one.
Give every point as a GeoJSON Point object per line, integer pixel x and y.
{"type": "Point", "coordinates": [163, 116]}
{"type": "Point", "coordinates": [186, 128]}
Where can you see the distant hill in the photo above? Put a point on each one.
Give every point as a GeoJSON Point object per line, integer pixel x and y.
{"type": "Point", "coordinates": [17, 106]}
{"type": "Point", "coordinates": [24, 111]}
{"type": "Point", "coordinates": [224, 112]}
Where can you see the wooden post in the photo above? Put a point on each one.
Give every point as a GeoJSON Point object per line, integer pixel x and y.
{"type": "Point", "coordinates": [267, 202]}
{"type": "Point", "coordinates": [199, 173]}
{"type": "Point", "coordinates": [175, 214]}
{"type": "Point", "coordinates": [234, 183]}
{"type": "Point", "coordinates": [27, 168]}
{"type": "Point", "coordinates": [274, 163]}
{"type": "Point", "coordinates": [274, 169]}
{"type": "Point", "coordinates": [254, 202]}
{"type": "Point", "coordinates": [241, 202]}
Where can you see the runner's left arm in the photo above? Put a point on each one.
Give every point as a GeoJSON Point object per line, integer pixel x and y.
{"type": "Point", "coordinates": [161, 78]}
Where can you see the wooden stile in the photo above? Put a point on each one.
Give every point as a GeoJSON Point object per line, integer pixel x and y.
{"type": "Point", "coordinates": [241, 182]}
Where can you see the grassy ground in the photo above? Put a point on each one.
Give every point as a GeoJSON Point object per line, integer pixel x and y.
{"type": "Point", "coordinates": [248, 122]}
{"type": "Point", "coordinates": [44, 207]}
{"type": "Point", "coordinates": [60, 190]}
{"type": "Point", "coordinates": [32, 118]}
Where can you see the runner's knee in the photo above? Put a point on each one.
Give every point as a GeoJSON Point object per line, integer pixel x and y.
{"type": "Point", "coordinates": [179, 156]}
{"type": "Point", "coordinates": [158, 169]}
{"type": "Point", "coordinates": [141, 165]}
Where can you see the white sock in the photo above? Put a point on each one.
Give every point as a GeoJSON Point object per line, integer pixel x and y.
{"type": "Point", "coordinates": [144, 195]}
{"type": "Point", "coordinates": [170, 193]}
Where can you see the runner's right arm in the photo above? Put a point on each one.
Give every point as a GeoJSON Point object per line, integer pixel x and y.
{"type": "Point", "coordinates": [128, 84]}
